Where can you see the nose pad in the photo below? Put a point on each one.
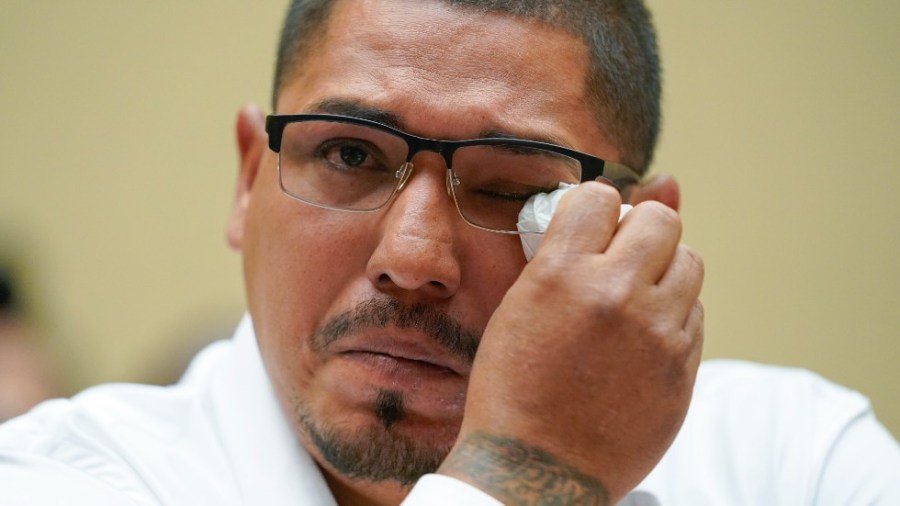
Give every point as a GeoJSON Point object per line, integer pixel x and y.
{"type": "Point", "coordinates": [406, 170]}
{"type": "Point", "coordinates": [452, 182]}
{"type": "Point", "coordinates": [403, 174]}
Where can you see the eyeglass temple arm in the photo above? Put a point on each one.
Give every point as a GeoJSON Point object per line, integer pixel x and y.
{"type": "Point", "coordinates": [613, 171]}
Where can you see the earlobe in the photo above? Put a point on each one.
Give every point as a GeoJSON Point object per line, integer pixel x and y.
{"type": "Point", "coordinates": [661, 188]}
{"type": "Point", "coordinates": [251, 142]}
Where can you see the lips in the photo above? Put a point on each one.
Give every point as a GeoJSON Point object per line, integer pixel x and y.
{"type": "Point", "coordinates": [401, 348]}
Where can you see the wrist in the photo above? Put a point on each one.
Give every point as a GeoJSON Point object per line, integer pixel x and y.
{"type": "Point", "coordinates": [516, 472]}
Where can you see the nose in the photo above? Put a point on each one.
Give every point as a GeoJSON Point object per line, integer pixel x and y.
{"type": "Point", "coordinates": [416, 252]}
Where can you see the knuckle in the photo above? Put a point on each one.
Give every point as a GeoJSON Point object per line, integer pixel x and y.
{"type": "Point", "coordinates": [615, 298]}
{"type": "Point", "coordinates": [661, 335]}
{"type": "Point", "coordinates": [695, 258]}
{"type": "Point", "coordinates": [600, 195]}
{"type": "Point", "coordinates": [701, 312]}
{"type": "Point", "coordinates": [699, 333]}
{"type": "Point", "coordinates": [599, 189]}
{"type": "Point", "coordinates": [552, 274]}
{"type": "Point", "coordinates": [546, 269]}
{"type": "Point", "coordinates": [692, 335]}
{"type": "Point", "coordinates": [663, 213]}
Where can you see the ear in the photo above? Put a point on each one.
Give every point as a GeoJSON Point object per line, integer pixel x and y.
{"type": "Point", "coordinates": [252, 142]}
{"type": "Point", "coordinates": [662, 188]}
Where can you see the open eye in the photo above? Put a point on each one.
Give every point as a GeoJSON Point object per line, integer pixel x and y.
{"type": "Point", "coordinates": [350, 154]}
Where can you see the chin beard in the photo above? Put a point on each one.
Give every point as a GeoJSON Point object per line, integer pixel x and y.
{"type": "Point", "coordinates": [377, 452]}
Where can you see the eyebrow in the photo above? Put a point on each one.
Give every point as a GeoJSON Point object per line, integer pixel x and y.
{"type": "Point", "coordinates": [357, 109]}
{"type": "Point", "coordinates": [495, 133]}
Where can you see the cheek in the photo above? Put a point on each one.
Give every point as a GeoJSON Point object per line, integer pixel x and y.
{"type": "Point", "coordinates": [297, 264]}
{"type": "Point", "coordinates": [493, 265]}
{"type": "Point", "coordinates": [296, 272]}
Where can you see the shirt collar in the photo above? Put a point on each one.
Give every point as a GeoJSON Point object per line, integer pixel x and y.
{"type": "Point", "coordinates": [267, 460]}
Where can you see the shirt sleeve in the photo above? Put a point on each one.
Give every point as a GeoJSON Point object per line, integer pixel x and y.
{"type": "Point", "coordinates": [441, 490]}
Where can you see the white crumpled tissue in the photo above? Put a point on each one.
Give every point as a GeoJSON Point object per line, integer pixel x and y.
{"type": "Point", "coordinates": [535, 216]}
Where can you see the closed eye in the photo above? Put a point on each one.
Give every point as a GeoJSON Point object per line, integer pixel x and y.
{"type": "Point", "coordinates": [511, 196]}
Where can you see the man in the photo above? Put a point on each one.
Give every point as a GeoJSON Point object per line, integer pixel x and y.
{"type": "Point", "coordinates": [398, 345]}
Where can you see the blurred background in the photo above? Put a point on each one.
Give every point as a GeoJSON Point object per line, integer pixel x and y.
{"type": "Point", "coordinates": [117, 165]}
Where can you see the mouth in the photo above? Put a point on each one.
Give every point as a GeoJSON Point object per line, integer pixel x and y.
{"type": "Point", "coordinates": [400, 366]}
{"type": "Point", "coordinates": [402, 353]}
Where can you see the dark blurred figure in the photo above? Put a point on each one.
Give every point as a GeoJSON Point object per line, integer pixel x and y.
{"type": "Point", "coordinates": [26, 376]}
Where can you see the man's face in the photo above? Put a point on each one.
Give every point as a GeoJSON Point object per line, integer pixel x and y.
{"type": "Point", "coordinates": [367, 321]}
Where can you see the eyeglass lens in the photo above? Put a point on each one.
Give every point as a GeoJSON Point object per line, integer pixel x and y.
{"type": "Point", "coordinates": [354, 167]}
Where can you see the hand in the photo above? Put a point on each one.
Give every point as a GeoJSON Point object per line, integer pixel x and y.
{"type": "Point", "coordinates": [585, 371]}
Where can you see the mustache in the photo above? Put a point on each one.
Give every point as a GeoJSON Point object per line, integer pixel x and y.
{"type": "Point", "coordinates": [380, 312]}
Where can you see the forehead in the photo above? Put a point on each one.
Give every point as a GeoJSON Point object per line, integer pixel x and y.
{"type": "Point", "coordinates": [449, 71]}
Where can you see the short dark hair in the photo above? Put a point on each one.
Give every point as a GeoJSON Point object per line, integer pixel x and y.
{"type": "Point", "coordinates": [623, 82]}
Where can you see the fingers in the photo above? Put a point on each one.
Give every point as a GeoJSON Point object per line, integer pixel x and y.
{"type": "Point", "coordinates": [693, 330]}
{"type": "Point", "coordinates": [646, 241]}
{"type": "Point", "coordinates": [661, 188]}
{"type": "Point", "coordinates": [682, 282]}
{"type": "Point", "coordinates": [645, 247]}
{"type": "Point", "coordinates": [585, 220]}
{"type": "Point", "coordinates": [694, 322]}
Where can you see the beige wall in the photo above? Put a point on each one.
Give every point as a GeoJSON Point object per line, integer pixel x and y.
{"type": "Point", "coordinates": [781, 121]}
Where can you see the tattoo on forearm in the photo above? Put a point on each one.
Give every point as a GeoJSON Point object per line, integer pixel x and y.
{"type": "Point", "coordinates": [519, 474]}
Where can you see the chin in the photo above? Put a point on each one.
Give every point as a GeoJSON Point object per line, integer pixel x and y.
{"type": "Point", "coordinates": [385, 443]}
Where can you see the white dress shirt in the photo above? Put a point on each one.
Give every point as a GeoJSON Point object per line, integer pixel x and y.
{"type": "Point", "coordinates": [754, 435]}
